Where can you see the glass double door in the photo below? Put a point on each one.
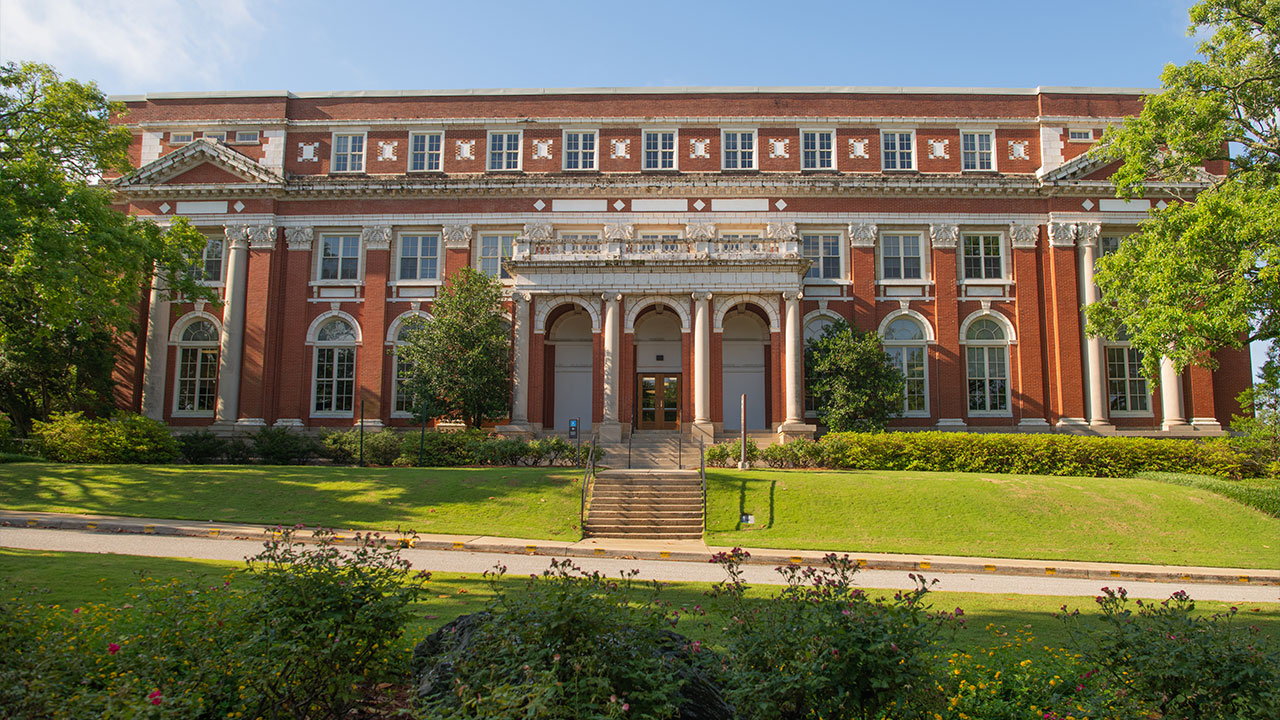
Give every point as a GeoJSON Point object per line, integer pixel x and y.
{"type": "Point", "coordinates": [659, 401]}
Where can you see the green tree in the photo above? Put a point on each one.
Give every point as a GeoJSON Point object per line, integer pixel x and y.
{"type": "Point", "coordinates": [857, 386]}
{"type": "Point", "coordinates": [73, 268]}
{"type": "Point", "coordinates": [1203, 273]}
{"type": "Point", "coordinates": [461, 357]}
{"type": "Point", "coordinates": [1259, 427]}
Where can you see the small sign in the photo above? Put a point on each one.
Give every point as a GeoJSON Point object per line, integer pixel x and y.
{"type": "Point", "coordinates": [747, 519]}
{"type": "Point", "coordinates": [573, 428]}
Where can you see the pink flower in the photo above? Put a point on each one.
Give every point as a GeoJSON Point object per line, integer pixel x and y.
{"type": "Point", "coordinates": [626, 707]}
{"type": "Point", "coordinates": [112, 648]}
{"type": "Point", "coordinates": [155, 697]}
{"type": "Point", "coordinates": [76, 611]}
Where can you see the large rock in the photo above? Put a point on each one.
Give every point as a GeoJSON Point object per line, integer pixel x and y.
{"type": "Point", "coordinates": [700, 695]}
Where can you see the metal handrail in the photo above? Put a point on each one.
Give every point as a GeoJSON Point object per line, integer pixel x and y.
{"type": "Point", "coordinates": [702, 472]}
{"type": "Point", "coordinates": [679, 440]}
{"type": "Point", "coordinates": [588, 474]}
{"type": "Point", "coordinates": [635, 417]}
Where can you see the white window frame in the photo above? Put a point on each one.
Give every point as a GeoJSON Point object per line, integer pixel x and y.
{"type": "Point", "coordinates": [215, 135]}
{"type": "Point", "coordinates": [317, 346]}
{"type": "Point", "coordinates": [426, 136]}
{"type": "Point", "coordinates": [977, 153]}
{"type": "Point", "coordinates": [817, 132]}
{"type": "Point", "coordinates": [181, 137]}
{"type": "Point", "coordinates": [881, 257]}
{"type": "Point", "coordinates": [480, 257]}
{"type": "Point", "coordinates": [202, 347]}
{"type": "Point", "coordinates": [1071, 132]}
{"type": "Point", "coordinates": [738, 134]}
{"type": "Point", "coordinates": [1003, 245]}
{"type": "Point", "coordinates": [506, 151]}
{"type": "Point", "coordinates": [898, 352]}
{"type": "Point", "coordinates": [927, 339]}
{"type": "Point", "coordinates": [826, 317]}
{"type": "Point", "coordinates": [1133, 373]}
{"type": "Point", "coordinates": [352, 158]}
{"type": "Point", "coordinates": [897, 134]}
{"type": "Point", "coordinates": [822, 234]}
{"type": "Point", "coordinates": [247, 137]}
{"type": "Point", "coordinates": [595, 151]}
{"type": "Point", "coordinates": [675, 149]}
{"type": "Point", "coordinates": [222, 261]}
{"type": "Point", "coordinates": [397, 259]}
{"type": "Point", "coordinates": [986, 346]}
{"type": "Point", "coordinates": [395, 343]}
{"type": "Point", "coordinates": [318, 271]}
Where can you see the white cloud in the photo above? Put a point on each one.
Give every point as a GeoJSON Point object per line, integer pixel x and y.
{"type": "Point", "coordinates": [133, 45]}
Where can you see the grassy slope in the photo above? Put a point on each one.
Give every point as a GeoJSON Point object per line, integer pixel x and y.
{"type": "Point", "coordinates": [536, 503]}
{"type": "Point", "coordinates": [74, 579]}
{"type": "Point", "coordinates": [1119, 520]}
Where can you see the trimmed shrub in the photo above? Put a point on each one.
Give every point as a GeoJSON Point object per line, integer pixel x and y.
{"type": "Point", "coordinates": [202, 447]}
{"type": "Point", "coordinates": [125, 438]}
{"type": "Point", "coordinates": [238, 451]}
{"type": "Point", "coordinates": [342, 447]}
{"type": "Point", "coordinates": [727, 454]}
{"type": "Point", "coordinates": [281, 446]}
{"type": "Point", "coordinates": [380, 448]}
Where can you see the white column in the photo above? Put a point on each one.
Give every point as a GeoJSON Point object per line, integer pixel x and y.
{"type": "Point", "coordinates": [702, 425]}
{"type": "Point", "coordinates": [520, 373]}
{"type": "Point", "coordinates": [231, 344]}
{"type": "Point", "coordinates": [794, 358]}
{"type": "Point", "coordinates": [156, 357]}
{"type": "Point", "coordinates": [610, 428]}
{"type": "Point", "coordinates": [1095, 375]}
{"type": "Point", "coordinates": [1171, 397]}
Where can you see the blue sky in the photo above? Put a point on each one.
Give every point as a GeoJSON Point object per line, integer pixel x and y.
{"type": "Point", "coordinates": [138, 46]}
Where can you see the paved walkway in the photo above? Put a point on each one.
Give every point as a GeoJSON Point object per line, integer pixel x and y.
{"type": "Point", "coordinates": [668, 561]}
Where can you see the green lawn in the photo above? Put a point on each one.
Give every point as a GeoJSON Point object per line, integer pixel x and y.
{"type": "Point", "coordinates": [1051, 518]}
{"type": "Point", "coordinates": [538, 503]}
{"type": "Point", "coordinates": [74, 579]}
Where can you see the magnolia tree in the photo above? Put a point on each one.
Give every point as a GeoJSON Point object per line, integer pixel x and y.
{"type": "Point", "coordinates": [855, 382]}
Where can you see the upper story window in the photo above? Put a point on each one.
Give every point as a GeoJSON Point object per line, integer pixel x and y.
{"type": "Point", "coordinates": [660, 150]}
{"type": "Point", "coordinates": [181, 138]}
{"type": "Point", "coordinates": [1080, 135]}
{"type": "Point", "coordinates": [504, 151]}
{"type": "Point", "coordinates": [425, 151]}
{"type": "Point", "coordinates": [818, 150]}
{"type": "Point", "coordinates": [339, 257]}
{"type": "Point", "coordinates": [495, 248]}
{"type": "Point", "coordinates": [215, 135]}
{"type": "Point", "coordinates": [580, 149]}
{"type": "Point", "coordinates": [983, 257]}
{"type": "Point", "coordinates": [247, 137]}
{"type": "Point", "coordinates": [824, 250]}
{"type": "Point", "coordinates": [897, 149]}
{"type": "Point", "coordinates": [738, 150]}
{"type": "Point", "coordinates": [348, 152]}
{"type": "Point", "coordinates": [209, 270]}
{"type": "Point", "coordinates": [1109, 244]}
{"type": "Point", "coordinates": [900, 257]}
{"type": "Point", "coordinates": [975, 151]}
{"type": "Point", "coordinates": [419, 257]}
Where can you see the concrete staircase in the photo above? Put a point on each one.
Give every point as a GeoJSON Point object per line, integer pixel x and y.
{"type": "Point", "coordinates": [646, 504]}
{"type": "Point", "coordinates": [651, 449]}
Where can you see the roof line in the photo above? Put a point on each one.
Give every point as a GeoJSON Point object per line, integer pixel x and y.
{"type": "Point", "coordinates": [485, 92]}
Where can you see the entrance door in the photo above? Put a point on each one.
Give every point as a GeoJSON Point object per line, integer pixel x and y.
{"type": "Point", "coordinates": [659, 401]}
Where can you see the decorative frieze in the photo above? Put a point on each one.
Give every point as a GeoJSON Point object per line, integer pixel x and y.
{"type": "Point", "coordinates": [862, 234]}
{"type": "Point", "coordinates": [376, 237]}
{"type": "Point", "coordinates": [1024, 235]}
{"type": "Point", "coordinates": [538, 232]}
{"type": "Point", "coordinates": [619, 231]}
{"type": "Point", "coordinates": [700, 231]}
{"type": "Point", "coordinates": [944, 236]}
{"type": "Point", "coordinates": [299, 238]}
{"type": "Point", "coordinates": [457, 237]}
{"type": "Point", "coordinates": [780, 230]}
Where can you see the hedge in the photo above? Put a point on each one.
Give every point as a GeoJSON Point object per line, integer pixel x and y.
{"type": "Point", "coordinates": [1040, 454]}
{"type": "Point", "coordinates": [125, 438]}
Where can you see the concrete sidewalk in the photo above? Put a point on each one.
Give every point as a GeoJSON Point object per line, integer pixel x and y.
{"type": "Point", "coordinates": [684, 551]}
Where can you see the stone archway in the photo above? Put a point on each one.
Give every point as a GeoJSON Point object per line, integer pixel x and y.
{"type": "Point", "coordinates": [569, 343]}
{"type": "Point", "coordinates": [744, 338]}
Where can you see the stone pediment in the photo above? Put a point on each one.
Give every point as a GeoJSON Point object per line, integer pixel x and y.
{"type": "Point", "coordinates": [1088, 167]}
{"type": "Point", "coordinates": [200, 162]}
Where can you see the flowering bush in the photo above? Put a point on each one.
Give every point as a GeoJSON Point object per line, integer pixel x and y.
{"type": "Point", "coordinates": [823, 648]}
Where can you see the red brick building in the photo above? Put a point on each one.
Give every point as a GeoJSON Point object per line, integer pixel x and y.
{"type": "Point", "coordinates": [666, 251]}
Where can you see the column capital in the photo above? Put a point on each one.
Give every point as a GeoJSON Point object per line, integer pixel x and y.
{"type": "Point", "coordinates": [237, 235]}
{"type": "Point", "coordinates": [299, 238]}
{"type": "Point", "coordinates": [862, 234]}
{"type": "Point", "coordinates": [262, 237]}
{"type": "Point", "coordinates": [1024, 235]}
{"type": "Point", "coordinates": [521, 297]}
{"type": "Point", "coordinates": [619, 231]}
{"type": "Point", "coordinates": [792, 295]}
{"type": "Point", "coordinates": [1087, 235]}
{"type": "Point", "coordinates": [944, 236]}
{"type": "Point", "coordinates": [538, 232]}
{"type": "Point", "coordinates": [376, 237]}
{"type": "Point", "coordinates": [457, 237]}
{"type": "Point", "coordinates": [1062, 234]}
{"type": "Point", "coordinates": [780, 231]}
{"type": "Point", "coordinates": [700, 231]}
{"type": "Point", "coordinates": [611, 297]}
{"type": "Point", "coordinates": [701, 295]}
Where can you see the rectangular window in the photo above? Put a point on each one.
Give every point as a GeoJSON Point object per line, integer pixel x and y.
{"type": "Point", "coordinates": [247, 136]}
{"type": "Point", "coordinates": [425, 151]}
{"type": "Point", "coordinates": [1126, 387]}
{"type": "Point", "coordinates": [897, 150]}
{"type": "Point", "coordinates": [494, 249]}
{"type": "Point", "coordinates": [660, 150]}
{"type": "Point", "coordinates": [197, 380]}
{"type": "Point", "coordinates": [580, 150]}
{"type": "Point", "coordinates": [419, 257]}
{"type": "Point", "coordinates": [403, 400]}
{"type": "Point", "coordinates": [1080, 135]}
{"type": "Point", "coordinates": [910, 361]}
{"type": "Point", "coordinates": [738, 150]}
{"type": "Point", "coordinates": [824, 251]}
{"type": "Point", "coordinates": [504, 151]}
{"type": "Point", "coordinates": [900, 257]}
{"type": "Point", "coordinates": [340, 257]}
{"type": "Point", "coordinates": [982, 257]}
{"type": "Point", "coordinates": [975, 151]}
{"type": "Point", "coordinates": [348, 152]}
{"type": "Point", "coordinates": [181, 138]}
{"type": "Point", "coordinates": [215, 135]}
{"type": "Point", "coordinates": [209, 269]}
{"type": "Point", "coordinates": [988, 380]}
{"type": "Point", "coordinates": [1110, 244]}
{"type": "Point", "coordinates": [817, 150]}
{"type": "Point", "coordinates": [335, 379]}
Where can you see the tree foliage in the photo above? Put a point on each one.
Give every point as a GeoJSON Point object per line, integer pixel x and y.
{"type": "Point", "coordinates": [853, 379]}
{"type": "Point", "coordinates": [461, 358]}
{"type": "Point", "coordinates": [1259, 427]}
{"type": "Point", "coordinates": [72, 267]}
{"type": "Point", "coordinates": [1203, 273]}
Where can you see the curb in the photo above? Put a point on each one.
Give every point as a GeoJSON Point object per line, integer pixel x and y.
{"type": "Point", "coordinates": [471, 543]}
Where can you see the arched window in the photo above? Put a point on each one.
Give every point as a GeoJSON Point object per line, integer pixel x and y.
{"type": "Point", "coordinates": [197, 370]}
{"type": "Point", "coordinates": [905, 341]}
{"type": "Point", "coordinates": [404, 402]}
{"type": "Point", "coordinates": [813, 330]}
{"type": "Point", "coordinates": [334, 369]}
{"type": "Point", "coordinates": [987, 353]}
